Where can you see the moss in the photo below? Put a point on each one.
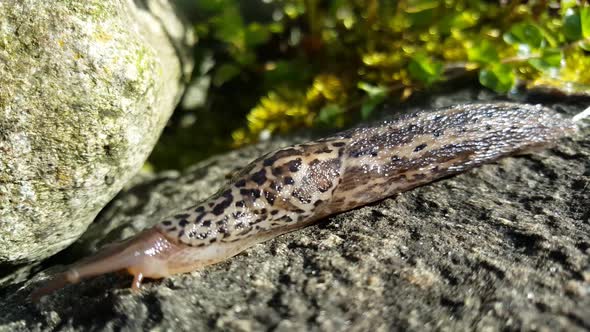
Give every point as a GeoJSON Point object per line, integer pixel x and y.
{"type": "Point", "coordinates": [142, 60]}
{"type": "Point", "coordinates": [96, 10]}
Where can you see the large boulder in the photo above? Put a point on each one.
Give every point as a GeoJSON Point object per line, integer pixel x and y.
{"type": "Point", "coordinates": [86, 86]}
{"type": "Point", "coordinates": [502, 247]}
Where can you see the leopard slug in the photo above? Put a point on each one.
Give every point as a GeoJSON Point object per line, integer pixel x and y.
{"type": "Point", "coordinates": [295, 186]}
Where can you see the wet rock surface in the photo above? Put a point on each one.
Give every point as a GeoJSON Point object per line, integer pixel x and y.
{"type": "Point", "coordinates": [85, 90]}
{"type": "Point", "coordinates": [502, 247]}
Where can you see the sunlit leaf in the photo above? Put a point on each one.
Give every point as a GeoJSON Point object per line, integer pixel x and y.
{"type": "Point", "coordinates": [458, 21]}
{"type": "Point", "coordinates": [572, 28]}
{"type": "Point", "coordinates": [424, 69]}
{"type": "Point", "coordinates": [585, 21]}
{"type": "Point", "coordinates": [415, 6]}
{"type": "Point", "coordinates": [422, 18]}
{"type": "Point", "coordinates": [330, 115]}
{"type": "Point", "coordinates": [498, 77]}
{"type": "Point", "coordinates": [372, 90]}
{"type": "Point", "coordinates": [550, 58]}
{"type": "Point", "coordinates": [369, 106]}
{"type": "Point", "coordinates": [294, 9]}
{"type": "Point", "coordinates": [585, 45]}
{"type": "Point", "coordinates": [421, 12]}
{"type": "Point", "coordinates": [525, 33]}
{"type": "Point", "coordinates": [375, 96]}
{"type": "Point", "coordinates": [482, 52]}
{"type": "Point", "coordinates": [276, 27]}
{"type": "Point", "coordinates": [567, 4]}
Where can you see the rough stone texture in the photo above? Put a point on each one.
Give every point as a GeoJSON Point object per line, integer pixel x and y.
{"type": "Point", "coordinates": [85, 89]}
{"type": "Point", "coordinates": [503, 247]}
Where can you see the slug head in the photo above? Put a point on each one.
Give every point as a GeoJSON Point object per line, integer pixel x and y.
{"type": "Point", "coordinates": [144, 255]}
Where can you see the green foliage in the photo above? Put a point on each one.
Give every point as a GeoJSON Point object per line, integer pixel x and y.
{"type": "Point", "coordinates": [498, 77]}
{"type": "Point", "coordinates": [375, 96]}
{"type": "Point", "coordinates": [483, 52]}
{"type": "Point", "coordinates": [329, 115]}
{"type": "Point", "coordinates": [525, 34]}
{"type": "Point", "coordinates": [284, 64]}
{"type": "Point", "coordinates": [585, 22]}
{"type": "Point", "coordinates": [572, 27]}
{"type": "Point", "coordinates": [425, 69]}
{"type": "Point", "coordinates": [549, 58]}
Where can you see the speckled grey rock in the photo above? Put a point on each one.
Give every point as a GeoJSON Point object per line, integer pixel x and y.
{"type": "Point", "coordinates": [85, 90]}
{"type": "Point", "coordinates": [503, 247]}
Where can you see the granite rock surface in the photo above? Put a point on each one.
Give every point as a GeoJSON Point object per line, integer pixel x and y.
{"type": "Point", "coordinates": [85, 89]}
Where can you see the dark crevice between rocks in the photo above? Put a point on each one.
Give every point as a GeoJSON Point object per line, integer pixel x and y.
{"type": "Point", "coordinates": [496, 271]}
{"type": "Point", "coordinates": [154, 309]}
{"type": "Point", "coordinates": [583, 246]}
{"type": "Point", "coordinates": [528, 243]}
{"type": "Point", "coordinates": [276, 303]}
{"type": "Point", "coordinates": [94, 315]}
{"type": "Point", "coordinates": [583, 322]}
{"type": "Point", "coordinates": [455, 307]}
{"type": "Point", "coordinates": [314, 308]}
{"type": "Point", "coordinates": [561, 101]}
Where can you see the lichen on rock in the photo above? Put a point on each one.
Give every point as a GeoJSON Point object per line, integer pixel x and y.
{"type": "Point", "coordinates": [85, 90]}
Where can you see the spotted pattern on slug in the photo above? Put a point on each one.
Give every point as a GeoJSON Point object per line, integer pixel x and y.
{"type": "Point", "coordinates": [297, 185]}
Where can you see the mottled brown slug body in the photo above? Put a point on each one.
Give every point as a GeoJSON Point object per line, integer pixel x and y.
{"type": "Point", "coordinates": [295, 186]}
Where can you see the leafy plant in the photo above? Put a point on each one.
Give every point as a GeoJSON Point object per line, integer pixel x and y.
{"type": "Point", "coordinates": [287, 64]}
{"type": "Point", "coordinates": [382, 49]}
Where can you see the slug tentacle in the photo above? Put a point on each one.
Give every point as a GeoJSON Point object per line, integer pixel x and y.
{"type": "Point", "coordinates": [295, 186]}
